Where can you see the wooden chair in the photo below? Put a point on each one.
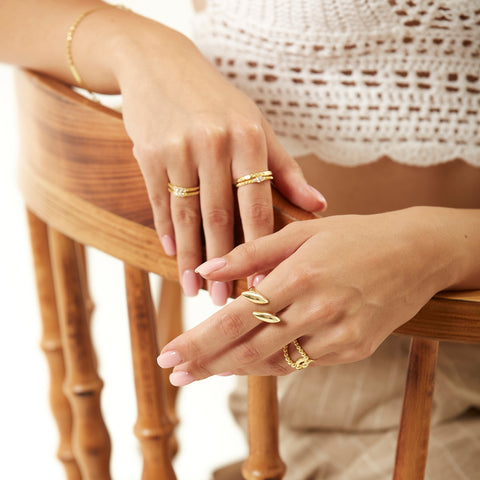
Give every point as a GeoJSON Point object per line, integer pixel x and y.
{"type": "Point", "coordinates": [82, 186]}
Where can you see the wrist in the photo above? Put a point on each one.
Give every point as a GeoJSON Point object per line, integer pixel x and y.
{"type": "Point", "coordinates": [112, 45]}
{"type": "Point", "coordinates": [443, 237]}
{"type": "Point", "coordinates": [142, 50]}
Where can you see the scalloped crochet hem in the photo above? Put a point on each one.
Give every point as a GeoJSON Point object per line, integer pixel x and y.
{"type": "Point", "coordinates": [353, 154]}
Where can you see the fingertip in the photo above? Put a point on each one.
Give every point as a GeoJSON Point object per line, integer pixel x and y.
{"type": "Point", "coordinates": [168, 245]}
{"type": "Point", "coordinates": [220, 291]}
{"type": "Point", "coordinates": [181, 379]}
{"type": "Point", "coordinates": [190, 283]}
{"type": "Point", "coordinates": [210, 266]}
{"type": "Point", "coordinates": [321, 200]}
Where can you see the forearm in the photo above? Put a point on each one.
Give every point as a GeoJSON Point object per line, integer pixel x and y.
{"type": "Point", "coordinates": [453, 236]}
{"type": "Point", "coordinates": [33, 34]}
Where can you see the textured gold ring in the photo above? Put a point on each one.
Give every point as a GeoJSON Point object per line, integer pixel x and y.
{"type": "Point", "coordinates": [183, 191]}
{"type": "Point", "coordinates": [253, 296]}
{"type": "Point", "coordinates": [257, 177]}
{"type": "Point", "coordinates": [303, 362]}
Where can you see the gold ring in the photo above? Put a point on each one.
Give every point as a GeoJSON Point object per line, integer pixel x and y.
{"type": "Point", "coordinates": [183, 191]}
{"type": "Point", "coordinates": [303, 362]}
{"type": "Point", "coordinates": [258, 177]}
{"type": "Point", "coordinates": [252, 295]}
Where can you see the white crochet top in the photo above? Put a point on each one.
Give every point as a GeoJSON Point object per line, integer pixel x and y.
{"type": "Point", "coordinates": [353, 80]}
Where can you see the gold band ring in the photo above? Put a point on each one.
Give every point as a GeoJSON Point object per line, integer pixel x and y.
{"type": "Point", "coordinates": [303, 362]}
{"type": "Point", "coordinates": [253, 296]}
{"type": "Point", "coordinates": [183, 191]}
{"type": "Point", "coordinates": [257, 177]}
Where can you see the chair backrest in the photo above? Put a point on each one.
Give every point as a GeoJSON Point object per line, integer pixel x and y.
{"type": "Point", "coordinates": [81, 182]}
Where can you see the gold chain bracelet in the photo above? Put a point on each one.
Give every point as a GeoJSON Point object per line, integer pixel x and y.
{"type": "Point", "coordinates": [71, 33]}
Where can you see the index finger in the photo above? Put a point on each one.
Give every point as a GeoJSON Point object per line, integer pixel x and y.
{"type": "Point", "coordinates": [224, 327]}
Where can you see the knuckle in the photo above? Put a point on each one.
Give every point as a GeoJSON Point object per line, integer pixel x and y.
{"type": "Point", "coordinates": [175, 145]}
{"type": "Point", "coordinates": [218, 218]}
{"type": "Point", "coordinates": [248, 250]}
{"type": "Point", "coordinates": [189, 349]}
{"type": "Point", "coordinates": [246, 354]}
{"type": "Point", "coordinates": [297, 279]}
{"type": "Point", "coordinates": [349, 336]}
{"type": "Point", "coordinates": [249, 132]}
{"type": "Point", "coordinates": [209, 135]}
{"type": "Point", "coordinates": [187, 257]}
{"type": "Point", "coordinates": [200, 368]}
{"type": "Point", "coordinates": [231, 326]}
{"type": "Point", "coordinates": [330, 311]}
{"type": "Point", "coordinates": [187, 215]}
{"type": "Point", "coordinates": [364, 348]}
{"type": "Point", "coordinates": [159, 202]}
{"type": "Point", "coordinates": [260, 213]}
{"type": "Point", "coordinates": [278, 367]}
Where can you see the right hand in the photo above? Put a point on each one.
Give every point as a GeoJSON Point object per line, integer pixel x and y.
{"type": "Point", "coordinates": [191, 127]}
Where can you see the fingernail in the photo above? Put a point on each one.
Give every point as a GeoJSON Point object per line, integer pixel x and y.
{"type": "Point", "coordinates": [190, 283]}
{"type": "Point", "coordinates": [168, 244]}
{"type": "Point", "coordinates": [219, 293]}
{"type": "Point", "coordinates": [318, 196]}
{"type": "Point", "coordinates": [258, 279]}
{"type": "Point", "coordinates": [169, 359]}
{"type": "Point", "coordinates": [224, 374]}
{"type": "Point", "coordinates": [180, 379]}
{"type": "Point", "coordinates": [211, 266]}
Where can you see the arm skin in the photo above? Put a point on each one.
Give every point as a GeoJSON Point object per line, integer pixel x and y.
{"type": "Point", "coordinates": [188, 124]}
{"type": "Point", "coordinates": [341, 285]}
{"type": "Point", "coordinates": [33, 35]}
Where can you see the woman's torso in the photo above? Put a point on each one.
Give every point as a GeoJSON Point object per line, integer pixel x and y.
{"type": "Point", "coordinates": [374, 182]}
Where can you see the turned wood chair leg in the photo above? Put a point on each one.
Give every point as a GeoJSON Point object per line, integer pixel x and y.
{"type": "Point", "coordinates": [264, 462]}
{"type": "Point", "coordinates": [169, 326]}
{"type": "Point", "coordinates": [90, 439]}
{"type": "Point", "coordinates": [412, 445]}
{"type": "Point", "coordinates": [51, 342]}
{"type": "Point", "coordinates": [153, 427]}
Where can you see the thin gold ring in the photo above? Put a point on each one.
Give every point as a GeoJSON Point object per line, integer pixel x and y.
{"type": "Point", "coordinates": [183, 191]}
{"type": "Point", "coordinates": [303, 362]}
{"type": "Point", "coordinates": [257, 177]}
{"type": "Point", "coordinates": [254, 180]}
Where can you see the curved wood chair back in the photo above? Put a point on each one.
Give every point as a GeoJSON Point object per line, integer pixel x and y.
{"type": "Point", "coordinates": [83, 187]}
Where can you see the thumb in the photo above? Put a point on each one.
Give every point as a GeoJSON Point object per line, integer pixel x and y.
{"type": "Point", "coordinates": [260, 255]}
{"type": "Point", "coordinates": [289, 178]}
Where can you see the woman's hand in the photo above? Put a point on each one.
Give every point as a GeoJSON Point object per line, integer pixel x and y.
{"type": "Point", "coordinates": [340, 285]}
{"type": "Point", "coordinates": [191, 127]}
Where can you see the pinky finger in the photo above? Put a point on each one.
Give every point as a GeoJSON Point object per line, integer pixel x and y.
{"type": "Point", "coordinates": [274, 365]}
{"type": "Point", "coordinates": [160, 202]}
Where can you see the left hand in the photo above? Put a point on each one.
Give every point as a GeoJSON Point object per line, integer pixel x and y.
{"type": "Point", "coordinates": [340, 285]}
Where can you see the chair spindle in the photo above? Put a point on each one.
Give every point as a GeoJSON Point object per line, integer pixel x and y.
{"type": "Point", "coordinates": [169, 326]}
{"type": "Point", "coordinates": [153, 427]}
{"type": "Point", "coordinates": [90, 439]}
{"type": "Point", "coordinates": [412, 445]}
{"type": "Point", "coordinates": [51, 343]}
{"type": "Point", "coordinates": [264, 462]}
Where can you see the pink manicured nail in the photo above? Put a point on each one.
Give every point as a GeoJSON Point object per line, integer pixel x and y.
{"type": "Point", "coordinates": [258, 279]}
{"type": "Point", "coordinates": [211, 266]}
{"type": "Point", "coordinates": [169, 359]}
{"type": "Point", "coordinates": [180, 379]}
{"type": "Point", "coordinates": [319, 197]}
{"type": "Point", "coordinates": [190, 283]}
{"type": "Point", "coordinates": [168, 244]}
{"type": "Point", "coordinates": [219, 293]}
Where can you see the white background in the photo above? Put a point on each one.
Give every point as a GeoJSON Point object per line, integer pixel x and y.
{"type": "Point", "coordinates": [28, 435]}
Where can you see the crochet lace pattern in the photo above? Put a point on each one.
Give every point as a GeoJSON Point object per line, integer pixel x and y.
{"type": "Point", "coordinates": [355, 80]}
